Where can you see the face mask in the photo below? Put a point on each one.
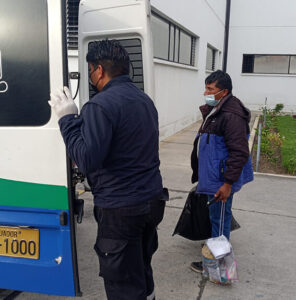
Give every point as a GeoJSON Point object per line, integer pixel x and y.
{"type": "Point", "coordinates": [210, 99]}
{"type": "Point", "coordinates": [93, 86]}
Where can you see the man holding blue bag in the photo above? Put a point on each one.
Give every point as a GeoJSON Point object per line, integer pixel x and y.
{"type": "Point", "coordinates": [220, 159]}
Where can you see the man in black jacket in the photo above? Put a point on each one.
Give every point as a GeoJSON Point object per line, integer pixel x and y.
{"type": "Point", "coordinates": [114, 142]}
{"type": "Point", "coordinates": [220, 159]}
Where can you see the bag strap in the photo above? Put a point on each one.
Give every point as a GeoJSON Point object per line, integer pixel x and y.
{"type": "Point", "coordinates": [222, 215]}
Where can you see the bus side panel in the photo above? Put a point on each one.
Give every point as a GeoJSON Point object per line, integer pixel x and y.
{"type": "Point", "coordinates": [35, 183]}
{"type": "Point", "coordinates": [54, 263]}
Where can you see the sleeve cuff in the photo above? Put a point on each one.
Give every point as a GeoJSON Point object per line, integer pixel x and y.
{"type": "Point", "coordinates": [67, 118]}
{"type": "Point", "coordinates": [229, 182]}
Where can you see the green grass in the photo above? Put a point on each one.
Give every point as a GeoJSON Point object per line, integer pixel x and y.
{"type": "Point", "coordinates": [286, 126]}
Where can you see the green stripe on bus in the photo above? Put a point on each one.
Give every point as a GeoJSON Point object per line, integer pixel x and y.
{"type": "Point", "coordinates": [35, 195]}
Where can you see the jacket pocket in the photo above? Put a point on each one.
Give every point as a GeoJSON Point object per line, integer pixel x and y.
{"type": "Point", "coordinates": [112, 258]}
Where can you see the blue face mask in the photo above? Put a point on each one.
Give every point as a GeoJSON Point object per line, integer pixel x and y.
{"type": "Point", "coordinates": [210, 99]}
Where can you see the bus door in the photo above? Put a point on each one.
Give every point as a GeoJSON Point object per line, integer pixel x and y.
{"type": "Point", "coordinates": [127, 21]}
{"type": "Point", "coordinates": [37, 238]}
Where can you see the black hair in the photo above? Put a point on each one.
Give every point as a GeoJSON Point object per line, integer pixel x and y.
{"type": "Point", "coordinates": [110, 55]}
{"type": "Point", "coordinates": [222, 79]}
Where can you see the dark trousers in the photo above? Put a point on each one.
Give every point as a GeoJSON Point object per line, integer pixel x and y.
{"type": "Point", "coordinates": [126, 241]}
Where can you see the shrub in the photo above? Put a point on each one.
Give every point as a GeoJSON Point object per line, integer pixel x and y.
{"type": "Point", "coordinates": [278, 108]}
{"type": "Point", "coordinates": [271, 140]}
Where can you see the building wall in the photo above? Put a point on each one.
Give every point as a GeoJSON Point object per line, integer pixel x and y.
{"type": "Point", "coordinates": [179, 89]}
{"type": "Point", "coordinates": [262, 27]}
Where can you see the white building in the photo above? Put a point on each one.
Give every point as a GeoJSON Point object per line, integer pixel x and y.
{"type": "Point", "coordinates": [188, 42]}
{"type": "Point", "coordinates": [182, 42]}
{"type": "Point", "coordinates": [179, 88]}
{"type": "Point", "coordinates": [262, 52]}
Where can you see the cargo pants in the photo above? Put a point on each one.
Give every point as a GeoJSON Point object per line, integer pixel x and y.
{"type": "Point", "coordinates": [126, 241]}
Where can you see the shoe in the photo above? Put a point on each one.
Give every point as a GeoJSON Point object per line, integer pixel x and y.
{"type": "Point", "coordinates": [196, 266]}
{"type": "Point", "coordinates": [228, 283]}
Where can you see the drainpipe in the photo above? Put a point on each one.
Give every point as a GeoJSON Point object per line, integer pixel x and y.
{"type": "Point", "coordinates": [226, 35]}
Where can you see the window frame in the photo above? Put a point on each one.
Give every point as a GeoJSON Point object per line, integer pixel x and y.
{"type": "Point", "coordinates": [169, 36]}
{"type": "Point", "coordinates": [266, 73]}
{"type": "Point", "coordinates": [177, 29]}
{"type": "Point", "coordinates": [214, 61]}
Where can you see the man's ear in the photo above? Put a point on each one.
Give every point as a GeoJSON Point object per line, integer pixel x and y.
{"type": "Point", "coordinates": [225, 93]}
{"type": "Point", "coordinates": [100, 71]}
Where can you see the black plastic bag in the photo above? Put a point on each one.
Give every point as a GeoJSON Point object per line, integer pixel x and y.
{"type": "Point", "coordinates": [194, 223]}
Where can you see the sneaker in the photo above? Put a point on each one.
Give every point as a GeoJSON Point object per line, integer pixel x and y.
{"type": "Point", "coordinates": [196, 266]}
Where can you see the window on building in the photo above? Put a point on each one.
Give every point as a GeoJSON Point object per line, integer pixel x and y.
{"type": "Point", "coordinates": [211, 58]}
{"type": "Point", "coordinates": [269, 64]}
{"type": "Point", "coordinates": [161, 40]}
{"type": "Point", "coordinates": [171, 42]}
{"type": "Point", "coordinates": [293, 64]}
{"type": "Point", "coordinates": [176, 43]}
{"type": "Point", "coordinates": [24, 63]}
{"type": "Point", "coordinates": [185, 48]}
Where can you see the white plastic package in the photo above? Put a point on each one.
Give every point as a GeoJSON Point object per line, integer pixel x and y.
{"type": "Point", "coordinates": [219, 246]}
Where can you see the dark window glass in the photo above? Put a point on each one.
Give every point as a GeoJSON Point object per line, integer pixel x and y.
{"type": "Point", "coordinates": [211, 59]}
{"type": "Point", "coordinates": [248, 63]}
{"type": "Point", "coordinates": [24, 63]}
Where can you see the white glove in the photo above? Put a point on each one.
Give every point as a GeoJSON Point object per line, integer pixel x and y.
{"type": "Point", "coordinates": [62, 103]}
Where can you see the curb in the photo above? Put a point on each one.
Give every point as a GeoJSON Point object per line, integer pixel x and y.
{"type": "Point", "coordinates": [275, 175]}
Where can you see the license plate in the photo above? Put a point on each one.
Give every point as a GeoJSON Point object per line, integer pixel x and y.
{"type": "Point", "coordinates": [19, 242]}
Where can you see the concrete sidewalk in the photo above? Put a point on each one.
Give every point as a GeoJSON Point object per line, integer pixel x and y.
{"type": "Point", "coordinates": [264, 246]}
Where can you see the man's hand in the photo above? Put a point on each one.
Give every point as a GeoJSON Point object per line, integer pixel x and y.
{"type": "Point", "coordinates": [223, 192]}
{"type": "Point", "coordinates": [62, 103]}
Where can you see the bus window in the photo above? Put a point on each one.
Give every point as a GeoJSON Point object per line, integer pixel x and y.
{"type": "Point", "coordinates": [134, 49]}
{"type": "Point", "coordinates": [24, 63]}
